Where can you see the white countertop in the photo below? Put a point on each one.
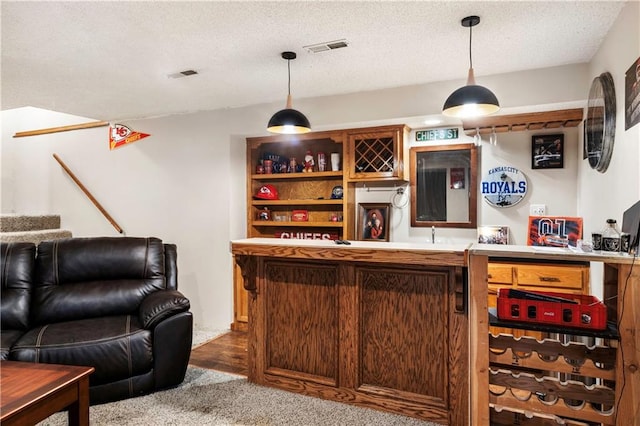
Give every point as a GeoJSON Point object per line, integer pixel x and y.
{"type": "Point", "coordinates": [370, 245]}
{"type": "Point", "coordinates": [549, 253]}
{"type": "Point", "coordinates": [491, 250]}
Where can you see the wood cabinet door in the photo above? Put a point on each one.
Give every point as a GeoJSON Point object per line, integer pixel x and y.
{"type": "Point", "coordinates": [412, 337]}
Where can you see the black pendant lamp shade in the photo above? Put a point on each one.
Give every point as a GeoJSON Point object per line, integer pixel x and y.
{"type": "Point", "coordinates": [471, 100]}
{"type": "Point", "coordinates": [289, 120]}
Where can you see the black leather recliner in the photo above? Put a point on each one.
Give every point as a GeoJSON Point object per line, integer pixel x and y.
{"type": "Point", "coordinates": [110, 303]}
{"type": "Point", "coordinates": [17, 269]}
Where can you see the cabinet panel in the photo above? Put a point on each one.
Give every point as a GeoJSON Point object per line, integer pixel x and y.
{"type": "Point", "coordinates": [301, 298]}
{"type": "Point", "coordinates": [416, 363]}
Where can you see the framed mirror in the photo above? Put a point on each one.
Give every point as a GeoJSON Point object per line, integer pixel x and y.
{"type": "Point", "coordinates": [444, 186]}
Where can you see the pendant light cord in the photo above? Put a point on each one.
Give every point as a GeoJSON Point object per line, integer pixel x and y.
{"type": "Point", "coordinates": [470, 35]}
{"type": "Point", "coordinates": [289, 81]}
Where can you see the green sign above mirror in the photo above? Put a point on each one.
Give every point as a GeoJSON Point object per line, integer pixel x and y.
{"type": "Point", "coordinates": [436, 134]}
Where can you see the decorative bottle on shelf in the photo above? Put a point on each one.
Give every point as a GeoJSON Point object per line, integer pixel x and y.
{"type": "Point", "coordinates": [610, 237]}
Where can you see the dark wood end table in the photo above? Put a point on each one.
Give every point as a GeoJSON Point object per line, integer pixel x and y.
{"type": "Point", "coordinates": [31, 392]}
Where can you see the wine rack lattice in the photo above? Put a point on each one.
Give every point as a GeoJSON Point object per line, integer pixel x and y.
{"type": "Point", "coordinates": [374, 155]}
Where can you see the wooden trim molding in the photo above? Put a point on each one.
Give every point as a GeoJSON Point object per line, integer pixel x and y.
{"type": "Point", "coordinates": [521, 122]}
{"type": "Point", "coordinates": [248, 267]}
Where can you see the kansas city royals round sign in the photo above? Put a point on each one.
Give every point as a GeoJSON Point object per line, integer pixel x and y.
{"type": "Point", "coordinates": [504, 186]}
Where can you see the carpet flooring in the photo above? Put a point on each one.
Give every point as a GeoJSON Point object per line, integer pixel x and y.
{"type": "Point", "coordinates": [209, 397]}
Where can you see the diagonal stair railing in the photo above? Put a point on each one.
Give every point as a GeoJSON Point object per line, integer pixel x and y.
{"type": "Point", "coordinates": [88, 194]}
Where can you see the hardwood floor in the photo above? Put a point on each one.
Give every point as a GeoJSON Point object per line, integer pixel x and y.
{"type": "Point", "coordinates": [227, 353]}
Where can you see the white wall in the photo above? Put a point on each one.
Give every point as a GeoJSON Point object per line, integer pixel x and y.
{"type": "Point", "coordinates": [608, 195]}
{"type": "Point", "coordinates": [186, 182]}
{"type": "Point", "coordinates": [555, 188]}
{"type": "Point", "coordinates": [173, 185]}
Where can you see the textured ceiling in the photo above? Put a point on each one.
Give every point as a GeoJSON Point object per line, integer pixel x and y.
{"type": "Point", "coordinates": [111, 60]}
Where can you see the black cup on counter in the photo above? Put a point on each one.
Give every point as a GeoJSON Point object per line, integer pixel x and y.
{"type": "Point", "coordinates": [625, 240]}
{"type": "Point", "coordinates": [596, 240]}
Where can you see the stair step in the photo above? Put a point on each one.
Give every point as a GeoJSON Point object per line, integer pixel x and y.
{"type": "Point", "coordinates": [19, 223]}
{"type": "Point", "coordinates": [35, 237]}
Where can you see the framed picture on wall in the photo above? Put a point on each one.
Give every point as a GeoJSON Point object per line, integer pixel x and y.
{"type": "Point", "coordinates": [632, 95]}
{"type": "Point", "coordinates": [554, 231]}
{"type": "Point", "coordinates": [493, 234]}
{"type": "Point", "coordinates": [547, 151]}
{"type": "Point", "coordinates": [373, 223]}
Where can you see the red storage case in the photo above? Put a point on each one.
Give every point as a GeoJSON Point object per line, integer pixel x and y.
{"type": "Point", "coordinates": [580, 311]}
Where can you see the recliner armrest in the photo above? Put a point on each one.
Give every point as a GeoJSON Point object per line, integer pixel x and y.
{"type": "Point", "coordinates": [160, 305]}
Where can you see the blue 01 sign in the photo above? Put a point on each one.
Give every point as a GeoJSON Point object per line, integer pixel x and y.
{"type": "Point", "coordinates": [504, 186]}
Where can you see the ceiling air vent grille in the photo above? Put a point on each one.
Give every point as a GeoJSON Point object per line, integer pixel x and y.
{"type": "Point", "coordinates": [181, 74]}
{"type": "Point", "coordinates": [328, 45]}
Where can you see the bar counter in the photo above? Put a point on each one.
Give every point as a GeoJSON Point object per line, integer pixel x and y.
{"type": "Point", "coordinates": [374, 324]}
{"type": "Point", "coordinates": [403, 327]}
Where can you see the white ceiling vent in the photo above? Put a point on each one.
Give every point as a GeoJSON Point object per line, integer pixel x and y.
{"type": "Point", "coordinates": [185, 73]}
{"type": "Point", "coordinates": [328, 45]}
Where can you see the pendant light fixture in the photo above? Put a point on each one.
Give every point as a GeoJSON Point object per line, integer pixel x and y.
{"type": "Point", "coordinates": [471, 100]}
{"type": "Point", "coordinates": [289, 120]}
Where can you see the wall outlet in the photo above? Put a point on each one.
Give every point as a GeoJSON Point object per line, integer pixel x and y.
{"type": "Point", "coordinates": [537, 210]}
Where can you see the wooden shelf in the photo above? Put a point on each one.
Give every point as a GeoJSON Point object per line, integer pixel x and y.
{"type": "Point", "coordinates": [298, 224]}
{"type": "Point", "coordinates": [315, 202]}
{"type": "Point", "coordinates": [521, 122]}
{"type": "Point", "coordinates": [311, 175]}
